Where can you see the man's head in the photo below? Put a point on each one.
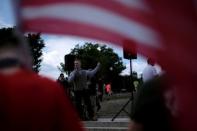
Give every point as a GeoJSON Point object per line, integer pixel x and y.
{"type": "Point", "coordinates": [14, 47]}
{"type": "Point", "coordinates": [62, 75]}
{"type": "Point", "coordinates": [8, 37]}
{"type": "Point", "coordinates": [77, 64]}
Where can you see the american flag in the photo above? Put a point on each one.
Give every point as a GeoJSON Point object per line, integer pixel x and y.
{"type": "Point", "coordinates": [108, 20]}
{"type": "Point", "coordinates": [165, 30]}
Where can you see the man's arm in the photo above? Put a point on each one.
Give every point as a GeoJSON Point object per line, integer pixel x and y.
{"type": "Point", "coordinates": [154, 71]}
{"type": "Point", "coordinates": [93, 72]}
{"type": "Point", "coordinates": [71, 77]}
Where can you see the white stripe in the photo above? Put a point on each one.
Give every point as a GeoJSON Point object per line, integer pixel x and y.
{"type": "Point", "coordinates": [138, 4]}
{"type": "Point", "coordinates": [95, 16]}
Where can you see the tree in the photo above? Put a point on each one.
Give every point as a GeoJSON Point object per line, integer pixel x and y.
{"type": "Point", "coordinates": [90, 54]}
{"type": "Point", "coordinates": [36, 44]}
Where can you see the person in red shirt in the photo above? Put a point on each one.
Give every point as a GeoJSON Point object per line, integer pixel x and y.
{"type": "Point", "coordinates": [29, 102]}
{"type": "Point", "coordinates": [108, 89]}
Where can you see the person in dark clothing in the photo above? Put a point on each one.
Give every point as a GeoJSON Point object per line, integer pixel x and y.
{"type": "Point", "coordinates": [61, 79]}
{"type": "Point", "coordinates": [64, 83]}
{"type": "Point", "coordinates": [149, 112]}
{"type": "Point", "coordinates": [100, 89]}
{"type": "Point", "coordinates": [93, 87]}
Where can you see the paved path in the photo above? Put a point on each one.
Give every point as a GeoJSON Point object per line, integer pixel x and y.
{"type": "Point", "coordinates": [108, 109]}
{"type": "Point", "coordinates": [116, 120]}
{"type": "Point", "coordinates": [105, 124]}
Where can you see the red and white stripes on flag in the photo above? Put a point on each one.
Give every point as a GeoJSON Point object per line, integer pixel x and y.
{"type": "Point", "coordinates": [109, 20]}
{"type": "Point", "coordinates": [163, 29]}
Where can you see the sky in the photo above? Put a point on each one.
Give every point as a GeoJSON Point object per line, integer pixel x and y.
{"type": "Point", "coordinates": [59, 45]}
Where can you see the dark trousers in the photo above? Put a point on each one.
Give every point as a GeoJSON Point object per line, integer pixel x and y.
{"type": "Point", "coordinates": [83, 98]}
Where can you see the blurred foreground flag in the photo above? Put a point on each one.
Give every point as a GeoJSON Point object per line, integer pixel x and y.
{"type": "Point", "coordinates": [165, 30]}
{"type": "Point", "coordinates": [115, 21]}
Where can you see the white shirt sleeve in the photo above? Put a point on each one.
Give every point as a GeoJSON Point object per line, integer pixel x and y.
{"type": "Point", "coordinates": [93, 72]}
{"type": "Point", "coordinates": [149, 73]}
{"type": "Point", "coordinates": [71, 76]}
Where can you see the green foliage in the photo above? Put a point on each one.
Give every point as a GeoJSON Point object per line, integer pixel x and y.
{"type": "Point", "coordinates": [90, 54]}
{"type": "Point", "coordinates": [36, 45]}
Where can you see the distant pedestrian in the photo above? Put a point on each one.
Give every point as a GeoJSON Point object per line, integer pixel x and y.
{"type": "Point", "coordinates": [92, 89]}
{"type": "Point", "coordinates": [149, 71]}
{"type": "Point", "coordinates": [64, 83]}
{"type": "Point", "coordinates": [108, 90]}
{"type": "Point", "coordinates": [100, 89]}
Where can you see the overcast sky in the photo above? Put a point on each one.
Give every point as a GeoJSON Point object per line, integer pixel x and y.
{"type": "Point", "coordinates": [58, 46]}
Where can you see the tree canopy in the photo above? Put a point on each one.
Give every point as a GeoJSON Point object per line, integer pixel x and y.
{"type": "Point", "coordinates": [90, 54]}
{"type": "Point", "coordinates": [36, 44]}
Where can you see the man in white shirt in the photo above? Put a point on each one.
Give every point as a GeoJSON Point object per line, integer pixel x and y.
{"type": "Point", "coordinates": [149, 72]}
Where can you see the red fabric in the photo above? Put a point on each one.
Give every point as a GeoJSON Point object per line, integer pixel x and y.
{"type": "Point", "coordinates": [108, 88]}
{"type": "Point", "coordinates": [29, 102]}
{"type": "Point", "coordinates": [121, 13]}
{"type": "Point", "coordinates": [178, 28]}
{"type": "Point", "coordinates": [112, 5]}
